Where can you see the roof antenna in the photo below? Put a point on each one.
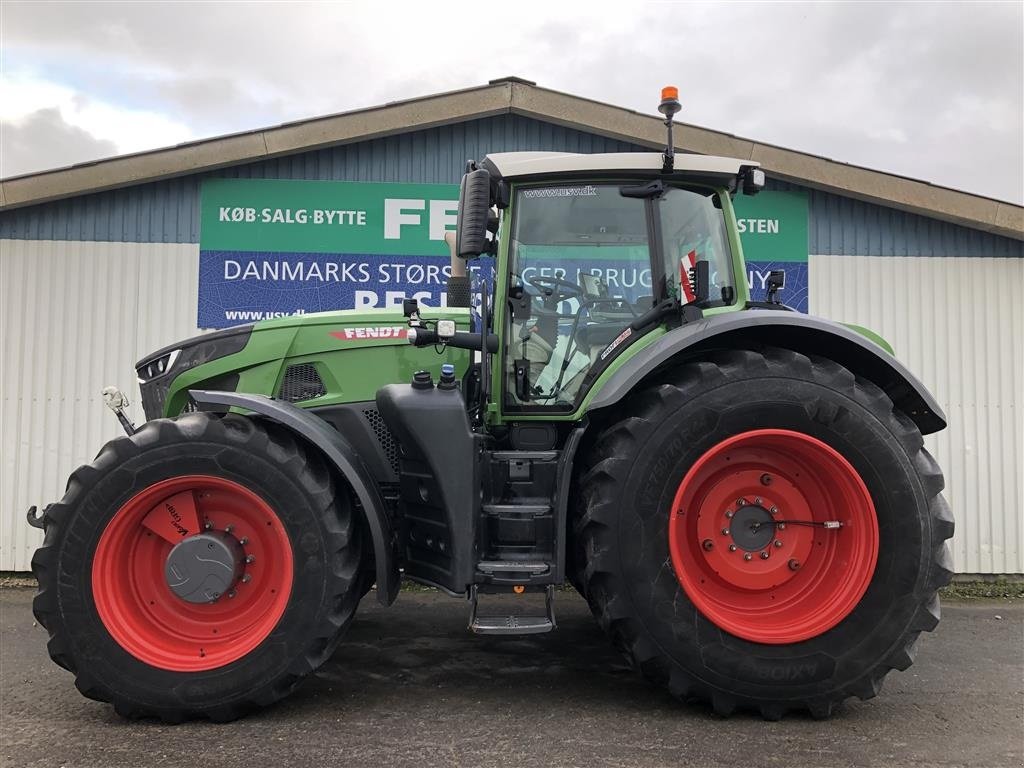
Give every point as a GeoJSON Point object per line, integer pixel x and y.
{"type": "Point", "coordinates": [668, 107]}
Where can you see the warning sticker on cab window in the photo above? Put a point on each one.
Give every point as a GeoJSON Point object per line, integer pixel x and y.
{"type": "Point", "coordinates": [371, 332]}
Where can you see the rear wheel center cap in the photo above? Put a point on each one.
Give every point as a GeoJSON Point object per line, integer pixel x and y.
{"type": "Point", "coordinates": [752, 528]}
{"type": "Point", "coordinates": [201, 568]}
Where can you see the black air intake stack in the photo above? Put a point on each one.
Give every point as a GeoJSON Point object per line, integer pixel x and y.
{"type": "Point", "coordinates": [458, 283]}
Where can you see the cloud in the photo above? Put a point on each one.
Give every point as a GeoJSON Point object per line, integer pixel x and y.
{"type": "Point", "coordinates": [42, 140]}
{"type": "Point", "coordinates": [928, 90]}
{"type": "Point", "coordinates": [45, 123]}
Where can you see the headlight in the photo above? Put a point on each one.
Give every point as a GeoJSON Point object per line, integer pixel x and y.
{"type": "Point", "coordinates": [157, 371]}
{"type": "Point", "coordinates": [157, 367]}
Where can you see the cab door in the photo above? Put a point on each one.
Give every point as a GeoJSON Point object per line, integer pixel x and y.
{"type": "Point", "coordinates": [580, 272]}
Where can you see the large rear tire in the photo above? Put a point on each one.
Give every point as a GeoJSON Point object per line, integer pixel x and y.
{"type": "Point", "coordinates": [682, 561]}
{"type": "Point", "coordinates": [116, 620]}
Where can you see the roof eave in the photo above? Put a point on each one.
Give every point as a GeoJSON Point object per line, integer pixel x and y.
{"type": "Point", "coordinates": [253, 146]}
{"type": "Point", "coordinates": [522, 98]}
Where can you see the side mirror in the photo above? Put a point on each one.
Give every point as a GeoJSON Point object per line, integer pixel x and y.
{"type": "Point", "coordinates": [474, 214]}
{"type": "Point", "coordinates": [776, 282]}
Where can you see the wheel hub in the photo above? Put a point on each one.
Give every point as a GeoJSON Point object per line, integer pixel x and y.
{"type": "Point", "coordinates": [203, 567]}
{"type": "Point", "coordinates": [752, 528]}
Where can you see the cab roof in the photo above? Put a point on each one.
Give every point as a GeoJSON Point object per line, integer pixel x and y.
{"type": "Point", "coordinates": [524, 165]}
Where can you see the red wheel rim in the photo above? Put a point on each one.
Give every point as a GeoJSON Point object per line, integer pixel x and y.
{"type": "Point", "coordinates": [773, 582]}
{"type": "Point", "coordinates": [139, 609]}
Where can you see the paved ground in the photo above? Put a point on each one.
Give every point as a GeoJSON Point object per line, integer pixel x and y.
{"type": "Point", "coordinates": [410, 687]}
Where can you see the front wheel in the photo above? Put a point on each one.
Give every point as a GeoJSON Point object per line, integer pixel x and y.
{"type": "Point", "coordinates": [763, 530]}
{"type": "Point", "coordinates": [201, 567]}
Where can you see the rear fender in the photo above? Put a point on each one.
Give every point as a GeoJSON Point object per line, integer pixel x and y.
{"type": "Point", "coordinates": [801, 333]}
{"type": "Point", "coordinates": [340, 453]}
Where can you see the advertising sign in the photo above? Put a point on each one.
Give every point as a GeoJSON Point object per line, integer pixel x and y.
{"type": "Point", "coordinates": [773, 230]}
{"type": "Point", "coordinates": [272, 247]}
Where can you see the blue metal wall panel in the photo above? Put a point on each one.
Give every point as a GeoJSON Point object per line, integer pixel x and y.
{"type": "Point", "coordinates": [843, 226]}
{"type": "Point", "coordinates": [168, 211]}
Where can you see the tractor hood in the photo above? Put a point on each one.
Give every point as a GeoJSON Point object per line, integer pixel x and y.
{"type": "Point", "coordinates": [250, 358]}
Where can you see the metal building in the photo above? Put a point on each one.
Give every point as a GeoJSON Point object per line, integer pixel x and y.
{"type": "Point", "coordinates": [99, 264]}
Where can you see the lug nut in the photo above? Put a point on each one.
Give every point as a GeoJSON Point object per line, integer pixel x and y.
{"type": "Point", "coordinates": [746, 556]}
{"type": "Point", "coordinates": [757, 500]}
{"type": "Point", "coordinates": [781, 526]}
{"type": "Point", "coordinates": [250, 558]}
{"type": "Point", "coordinates": [732, 547]}
{"type": "Point", "coordinates": [740, 502]}
{"type": "Point", "coordinates": [778, 543]}
{"type": "Point", "coordinates": [207, 525]}
{"type": "Point", "coordinates": [725, 531]}
{"type": "Point", "coordinates": [766, 479]}
{"type": "Point", "coordinates": [728, 514]}
{"type": "Point", "coordinates": [774, 510]}
{"type": "Point", "coordinates": [244, 540]}
{"type": "Point", "coordinates": [246, 578]}
{"type": "Point", "coordinates": [794, 565]}
{"type": "Point", "coordinates": [229, 528]}
{"type": "Point", "coordinates": [231, 593]}
{"type": "Point", "coordinates": [708, 545]}
{"type": "Point", "coordinates": [764, 555]}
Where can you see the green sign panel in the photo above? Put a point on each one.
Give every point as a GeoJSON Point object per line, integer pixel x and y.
{"type": "Point", "coordinates": [276, 215]}
{"type": "Point", "coordinates": [773, 226]}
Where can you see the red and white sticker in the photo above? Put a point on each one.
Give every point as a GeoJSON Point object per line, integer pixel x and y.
{"type": "Point", "coordinates": [371, 332]}
{"type": "Point", "coordinates": [684, 275]}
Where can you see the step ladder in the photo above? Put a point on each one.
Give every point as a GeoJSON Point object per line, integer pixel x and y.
{"type": "Point", "coordinates": [512, 624]}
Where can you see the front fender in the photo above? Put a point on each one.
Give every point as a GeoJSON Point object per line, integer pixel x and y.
{"type": "Point", "coordinates": [801, 333]}
{"type": "Point", "coordinates": [312, 429]}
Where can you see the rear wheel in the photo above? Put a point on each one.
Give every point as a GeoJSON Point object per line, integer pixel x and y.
{"type": "Point", "coordinates": [202, 567]}
{"type": "Point", "coordinates": [763, 530]}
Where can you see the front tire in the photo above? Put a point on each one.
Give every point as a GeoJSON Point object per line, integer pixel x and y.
{"type": "Point", "coordinates": [755, 616]}
{"type": "Point", "coordinates": [119, 621]}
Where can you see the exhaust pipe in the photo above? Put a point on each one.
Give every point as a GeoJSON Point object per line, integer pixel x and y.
{"type": "Point", "coordinates": [458, 283]}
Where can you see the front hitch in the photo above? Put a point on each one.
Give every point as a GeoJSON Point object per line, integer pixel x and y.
{"type": "Point", "coordinates": [37, 520]}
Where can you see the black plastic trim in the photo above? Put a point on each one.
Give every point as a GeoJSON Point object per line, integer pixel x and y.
{"type": "Point", "coordinates": [226, 342]}
{"type": "Point", "coordinates": [791, 330]}
{"type": "Point", "coordinates": [351, 420]}
{"type": "Point", "coordinates": [342, 455]}
{"type": "Point", "coordinates": [563, 486]}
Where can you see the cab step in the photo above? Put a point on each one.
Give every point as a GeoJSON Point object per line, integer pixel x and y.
{"type": "Point", "coordinates": [512, 567]}
{"type": "Point", "coordinates": [512, 624]}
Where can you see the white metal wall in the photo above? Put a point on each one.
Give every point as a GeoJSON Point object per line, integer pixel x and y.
{"type": "Point", "coordinates": [74, 317]}
{"type": "Point", "coordinates": [957, 323]}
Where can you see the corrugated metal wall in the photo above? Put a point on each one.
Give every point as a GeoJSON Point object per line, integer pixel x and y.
{"type": "Point", "coordinates": [958, 324]}
{"type": "Point", "coordinates": [74, 316]}
{"type": "Point", "coordinates": [168, 211]}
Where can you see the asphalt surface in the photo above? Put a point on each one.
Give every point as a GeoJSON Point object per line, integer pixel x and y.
{"type": "Point", "coordinates": [411, 687]}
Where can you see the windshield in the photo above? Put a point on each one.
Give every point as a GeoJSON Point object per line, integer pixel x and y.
{"type": "Point", "coordinates": [581, 263]}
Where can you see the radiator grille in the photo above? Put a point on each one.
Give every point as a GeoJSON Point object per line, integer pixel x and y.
{"type": "Point", "coordinates": [301, 382]}
{"type": "Point", "coordinates": [384, 436]}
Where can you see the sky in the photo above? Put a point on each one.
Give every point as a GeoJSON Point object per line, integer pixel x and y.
{"type": "Point", "coordinates": [934, 91]}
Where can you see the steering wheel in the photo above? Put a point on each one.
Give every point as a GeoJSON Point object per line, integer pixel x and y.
{"type": "Point", "coordinates": [554, 290]}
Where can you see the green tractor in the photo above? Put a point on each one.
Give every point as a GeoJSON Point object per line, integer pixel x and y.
{"type": "Point", "coordinates": [739, 491]}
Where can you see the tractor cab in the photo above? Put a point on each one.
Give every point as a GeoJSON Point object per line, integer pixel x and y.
{"type": "Point", "coordinates": [595, 250]}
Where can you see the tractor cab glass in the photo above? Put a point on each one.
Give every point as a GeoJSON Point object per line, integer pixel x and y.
{"type": "Point", "coordinates": [582, 270]}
